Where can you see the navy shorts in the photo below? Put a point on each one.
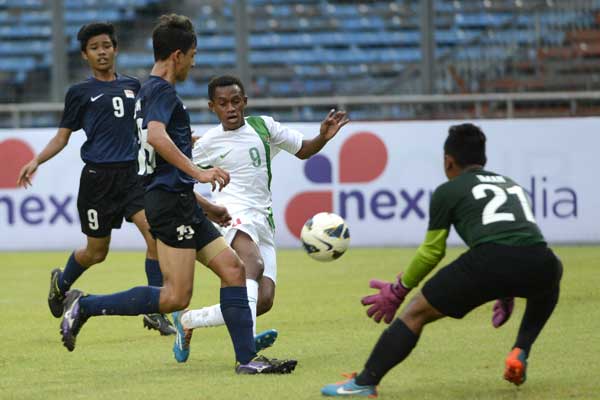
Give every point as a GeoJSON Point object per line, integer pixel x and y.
{"type": "Point", "coordinates": [176, 219]}
{"type": "Point", "coordinates": [107, 194]}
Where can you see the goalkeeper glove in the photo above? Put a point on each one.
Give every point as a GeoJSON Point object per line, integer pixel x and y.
{"type": "Point", "coordinates": [503, 309]}
{"type": "Point", "coordinates": [385, 303]}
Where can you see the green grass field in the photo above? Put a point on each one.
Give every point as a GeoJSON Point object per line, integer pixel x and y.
{"type": "Point", "coordinates": [321, 323]}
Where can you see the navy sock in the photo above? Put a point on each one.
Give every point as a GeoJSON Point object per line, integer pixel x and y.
{"type": "Point", "coordinates": [237, 316]}
{"type": "Point", "coordinates": [394, 345]}
{"type": "Point", "coordinates": [153, 273]}
{"type": "Point", "coordinates": [72, 271]}
{"type": "Point", "coordinates": [135, 301]}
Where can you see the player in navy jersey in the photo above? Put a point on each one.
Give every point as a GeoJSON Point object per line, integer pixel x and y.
{"type": "Point", "coordinates": [110, 188]}
{"type": "Point", "coordinates": [181, 228]}
{"type": "Point", "coordinates": [507, 257]}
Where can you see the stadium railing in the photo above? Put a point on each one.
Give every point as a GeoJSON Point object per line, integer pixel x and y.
{"type": "Point", "coordinates": [471, 106]}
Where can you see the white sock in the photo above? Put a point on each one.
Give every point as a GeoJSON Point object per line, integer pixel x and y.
{"type": "Point", "coordinates": [203, 318]}
{"type": "Point", "coordinates": [252, 288]}
{"type": "Point", "coordinates": [212, 316]}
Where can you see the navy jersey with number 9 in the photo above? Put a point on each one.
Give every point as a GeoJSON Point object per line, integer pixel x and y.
{"type": "Point", "coordinates": [104, 110]}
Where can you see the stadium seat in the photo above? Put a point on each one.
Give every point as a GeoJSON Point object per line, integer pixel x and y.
{"type": "Point", "coordinates": [319, 47]}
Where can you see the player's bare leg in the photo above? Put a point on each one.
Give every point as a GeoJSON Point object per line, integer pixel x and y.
{"type": "Point", "coordinates": [249, 253]}
{"type": "Point", "coordinates": [157, 321]}
{"type": "Point", "coordinates": [81, 259]}
{"type": "Point", "coordinates": [261, 289]}
{"type": "Point", "coordinates": [236, 313]}
{"type": "Point", "coordinates": [418, 313]}
{"type": "Point", "coordinates": [140, 221]}
{"type": "Point", "coordinates": [266, 295]}
{"type": "Point", "coordinates": [94, 252]}
{"type": "Point", "coordinates": [178, 273]}
{"type": "Point", "coordinates": [178, 266]}
{"type": "Point", "coordinates": [227, 266]}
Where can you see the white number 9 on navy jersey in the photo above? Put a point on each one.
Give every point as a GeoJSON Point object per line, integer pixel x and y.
{"type": "Point", "coordinates": [118, 106]}
{"type": "Point", "coordinates": [146, 156]}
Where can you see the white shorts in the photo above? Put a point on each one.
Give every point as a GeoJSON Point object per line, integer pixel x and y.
{"type": "Point", "coordinates": [257, 226]}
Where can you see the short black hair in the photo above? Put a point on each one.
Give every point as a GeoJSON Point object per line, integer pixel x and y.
{"type": "Point", "coordinates": [224, 80]}
{"type": "Point", "coordinates": [88, 31]}
{"type": "Point", "coordinates": [173, 32]}
{"type": "Point", "coordinates": [466, 143]}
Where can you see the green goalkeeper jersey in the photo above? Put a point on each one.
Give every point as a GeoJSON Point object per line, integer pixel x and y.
{"type": "Point", "coordinates": [484, 207]}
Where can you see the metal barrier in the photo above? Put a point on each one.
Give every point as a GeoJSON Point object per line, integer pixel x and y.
{"type": "Point", "coordinates": [475, 102]}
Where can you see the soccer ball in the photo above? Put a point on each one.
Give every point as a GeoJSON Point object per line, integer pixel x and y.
{"type": "Point", "coordinates": [325, 236]}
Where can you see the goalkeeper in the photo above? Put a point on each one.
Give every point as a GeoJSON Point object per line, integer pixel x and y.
{"type": "Point", "coordinates": [507, 257]}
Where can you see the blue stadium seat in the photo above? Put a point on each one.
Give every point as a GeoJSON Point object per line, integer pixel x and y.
{"type": "Point", "coordinates": [17, 63]}
{"type": "Point", "coordinates": [87, 4]}
{"type": "Point", "coordinates": [135, 60]}
{"type": "Point", "coordinates": [482, 19]}
{"type": "Point", "coordinates": [311, 47]}
{"type": "Point", "coordinates": [22, 4]}
{"type": "Point", "coordinates": [86, 16]}
{"type": "Point", "coordinates": [370, 23]}
{"type": "Point", "coordinates": [24, 48]}
{"type": "Point", "coordinates": [191, 88]}
{"type": "Point", "coordinates": [281, 11]}
{"type": "Point", "coordinates": [24, 31]}
{"type": "Point", "coordinates": [212, 42]}
{"type": "Point", "coordinates": [35, 17]}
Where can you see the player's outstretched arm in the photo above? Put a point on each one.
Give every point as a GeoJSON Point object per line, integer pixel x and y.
{"type": "Point", "coordinates": [54, 146]}
{"type": "Point", "coordinates": [391, 294]}
{"type": "Point", "coordinates": [216, 213]}
{"type": "Point", "coordinates": [332, 124]}
{"type": "Point", "coordinates": [163, 145]}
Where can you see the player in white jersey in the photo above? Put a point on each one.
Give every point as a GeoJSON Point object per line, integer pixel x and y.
{"type": "Point", "coordinates": [245, 146]}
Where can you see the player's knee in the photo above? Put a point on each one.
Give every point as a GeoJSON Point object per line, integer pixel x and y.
{"type": "Point", "coordinates": [175, 298]}
{"type": "Point", "coordinates": [181, 303]}
{"type": "Point", "coordinates": [260, 266]}
{"type": "Point", "coordinates": [96, 256]}
{"type": "Point", "coordinates": [418, 312]}
{"type": "Point", "coordinates": [254, 268]}
{"type": "Point", "coordinates": [264, 305]}
{"type": "Point", "coordinates": [178, 300]}
{"type": "Point", "coordinates": [234, 273]}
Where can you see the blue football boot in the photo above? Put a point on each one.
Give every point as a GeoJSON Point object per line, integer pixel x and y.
{"type": "Point", "coordinates": [265, 339]}
{"type": "Point", "coordinates": [183, 337]}
{"type": "Point", "coordinates": [349, 387]}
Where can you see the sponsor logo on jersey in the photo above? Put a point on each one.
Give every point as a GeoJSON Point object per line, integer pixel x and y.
{"type": "Point", "coordinates": [129, 93]}
{"type": "Point", "coordinates": [93, 99]}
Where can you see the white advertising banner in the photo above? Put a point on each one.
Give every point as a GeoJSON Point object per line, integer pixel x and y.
{"type": "Point", "coordinates": [377, 175]}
